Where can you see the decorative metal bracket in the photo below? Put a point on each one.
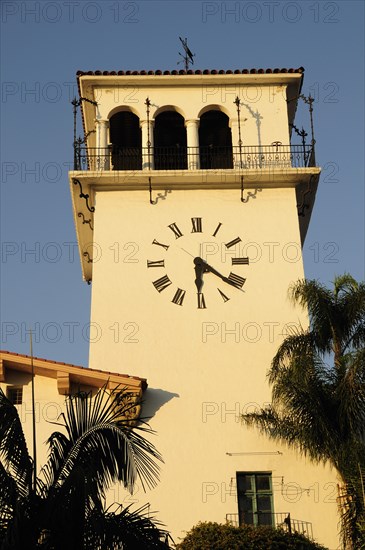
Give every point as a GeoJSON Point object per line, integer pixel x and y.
{"type": "Point", "coordinates": [148, 105]}
{"type": "Point", "coordinates": [150, 191]}
{"type": "Point", "coordinates": [251, 195]}
{"type": "Point", "coordinates": [303, 206]}
{"type": "Point", "coordinates": [237, 102]}
{"type": "Point", "coordinates": [303, 134]}
{"type": "Point", "coordinates": [81, 215]}
{"type": "Point", "coordinates": [87, 256]}
{"type": "Point", "coordinates": [308, 101]}
{"type": "Point", "coordinates": [83, 195]}
{"type": "Point", "coordinates": [82, 141]}
{"type": "Point", "coordinates": [161, 196]}
{"type": "Point", "coordinates": [77, 103]}
{"type": "Point", "coordinates": [276, 144]}
{"type": "Point", "coordinates": [242, 190]}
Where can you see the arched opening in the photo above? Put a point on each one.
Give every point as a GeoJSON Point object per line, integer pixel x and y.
{"type": "Point", "coordinates": [170, 141]}
{"type": "Point", "coordinates": [215, 140]}
{"type": "Point", "coordinates": [126, 140]}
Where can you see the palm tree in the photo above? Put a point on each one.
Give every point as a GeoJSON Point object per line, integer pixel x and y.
{"type": "Point", "coordinates": [318, 391]}
{"type": "Point", "coordinates": [64, 507]}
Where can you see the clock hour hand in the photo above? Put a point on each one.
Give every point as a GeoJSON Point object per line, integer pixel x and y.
{"type": "Point", "coordinates": [200, 268]}
{"type": "Point", "coordinates": [206, 268]}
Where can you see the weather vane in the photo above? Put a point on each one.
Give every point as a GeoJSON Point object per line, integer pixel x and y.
{"type": "Point", "coordinates": [189, 56]}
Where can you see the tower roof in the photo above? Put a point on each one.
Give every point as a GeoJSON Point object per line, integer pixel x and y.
{"type": "Point", "coordinates": [199, 72]}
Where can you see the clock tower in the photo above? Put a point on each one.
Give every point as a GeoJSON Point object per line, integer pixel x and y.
{"type": "Point", "coordinates": [191, 202]}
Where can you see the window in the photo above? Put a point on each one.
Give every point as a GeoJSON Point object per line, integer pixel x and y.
{"type": "Point", "coordinates": [126, 139]}
{"type": "Point", "coordinates": [255, 501]}
{"type": "Point", "coordinates": [215, 141]}
{"type": "Point", "coordinates": [170, 142]}
{"type": "Point", "coordinates": [15, 395]}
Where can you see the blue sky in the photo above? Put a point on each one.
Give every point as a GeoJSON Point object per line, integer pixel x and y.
{"type": "Point", "coordinates": [45, 43]}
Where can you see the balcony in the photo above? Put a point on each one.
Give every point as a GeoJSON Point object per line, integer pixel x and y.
{"type": "Point", "coordinates": [157, 171]}
{"type": "Point", "coordinates": [280, 520]}
{"type": "Point", "coordinates": [262, 157]}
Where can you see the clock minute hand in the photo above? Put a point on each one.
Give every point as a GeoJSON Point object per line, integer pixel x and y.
{"type": "Point", "coordinates": [225, 279]}
{"type": "Point", "coordinates": [215, 272]}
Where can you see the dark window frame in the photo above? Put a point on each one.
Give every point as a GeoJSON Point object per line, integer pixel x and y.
{"type": "Point", "coordinates": [15, 394]}
{"type": "Point", "coordinates": [252, 492]}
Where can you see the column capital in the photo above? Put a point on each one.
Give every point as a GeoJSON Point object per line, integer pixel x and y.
{"type": "Point", "coordinates": [104, 121]}
{"type": "Point", "coordinates": [192, 122]}
{"type": "Point", "coordinates": [143, 122]}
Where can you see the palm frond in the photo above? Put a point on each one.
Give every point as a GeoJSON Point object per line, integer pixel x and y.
{"type": "Point", "coordinates": [295, 351]}
{"type": "Point", "coordinates": [125, 528]}
{"type": "Point", "coordinates": [350, 395]}
{"type": "Point", "coordinates": [315, 298]}
{"type": "Point", "coordinates": [13, 448]}
{"type": "Point", "coordinates": [98, 444]}
{"type": "Point", "coordinates": [59, 447]}
{"type": "Point", "coordinates": [9, 496]}
{"type": "Point", "coordinates": [316, 408]}
{"type": "Point", "coordinates": [300, 430]}
{"type": "Point", "coordinates": [358, 336]}
{"type": "Point", "coordinates": [100, 440]}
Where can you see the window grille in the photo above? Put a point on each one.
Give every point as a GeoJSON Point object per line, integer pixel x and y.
{"type": "Point", "coordinates": [15, 395]}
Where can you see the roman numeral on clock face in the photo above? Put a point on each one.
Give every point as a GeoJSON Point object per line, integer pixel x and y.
{"type": "Point", "coordinates": [179, 297]}
{"type": "Point", "coordinates": [217, 229]}
{"type": "Point", "coordinates": [162, 283]}
{"type": "Point", "coordinates": [225, 298]}
{"type": "Point", "coordinates": [236, 280]}
{"type": "Point", "coordinates": [165, 246]}
{"type": "Point", "coordinates": [176, 231]}
{"type": "Point", "coordinates": [240, 261]}
{"type": "Point", "coordinates": [157, 263]}
{"type": "Point", "coordinates": [201, 301]}
{"type": "Point", "coordinates": [233, 243]}
{"type": "Point", "coordinates": [197, 225]}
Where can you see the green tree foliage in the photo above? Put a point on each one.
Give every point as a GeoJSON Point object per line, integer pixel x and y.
{"type": "Point", "coordinates": [318, 390]}
{"type": "Point", "coordinates": [95, 448]}
{"type": "Point", "coordinates": [215, 536]}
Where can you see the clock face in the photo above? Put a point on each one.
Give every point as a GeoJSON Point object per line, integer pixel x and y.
{"type": "Point", "coordinates": [194, 262]}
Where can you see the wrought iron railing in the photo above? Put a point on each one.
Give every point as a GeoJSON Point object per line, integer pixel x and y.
{"type": "Point", "coordinates": [281, 520]}
{"type": "Point", "coordinates": [271, 156]}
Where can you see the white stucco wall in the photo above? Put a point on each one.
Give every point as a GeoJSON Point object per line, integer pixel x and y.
{"type": "Point", "coordinates": [204, 367]}
{"type": "Point", "coordinates": [260, 103]}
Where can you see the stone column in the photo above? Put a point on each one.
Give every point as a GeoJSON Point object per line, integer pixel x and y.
{"type": "Point", "coordinates": [102, 153]}
{"type": "Point", "coordinates": [147, 134]}
{"type": "Point", "coordinates": [192, 136]}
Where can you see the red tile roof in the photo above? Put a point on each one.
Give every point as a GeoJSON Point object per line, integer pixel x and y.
{"type": "Point", "coordinates": [300, 70]}
{"type": "Point", "coordinates": [2, 351]}
{"type": "Point", "coordinates": [82, 369]}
